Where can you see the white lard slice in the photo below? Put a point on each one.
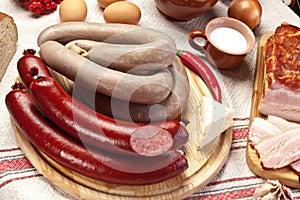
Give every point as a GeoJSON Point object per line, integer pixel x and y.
{"type": "Point", "coordinates": [215, 118]}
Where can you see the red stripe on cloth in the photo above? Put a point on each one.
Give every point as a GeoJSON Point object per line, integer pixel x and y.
{"type": "Point", "coordinates": [237, 148]}
{"type": "Point", "coordinates": [19, 178]}
{"type": "Point", "coordinates": [229, 195]}
{"type": "Point", "coordinates": [240, 133]}
{"type": "Point", "coordinates": [16, 164]}
{"type": "Point", "coordinates": [241, 119]}
{"type": "Point", "coordinates": [8, 150]}
{"type": "Point", "coordinates": [233, 180]}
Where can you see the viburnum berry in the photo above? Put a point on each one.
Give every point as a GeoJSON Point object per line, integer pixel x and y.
{"type": "Point", "coordinates": [53, 5]}
{"type": "Point", "coordinates": [40, 7]}
{"type": "Point", "coordinates": [48, 6]}
{"type": "Point", "coordinates": [38, 11]}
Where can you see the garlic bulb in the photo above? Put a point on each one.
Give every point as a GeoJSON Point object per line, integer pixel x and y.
{"type": "Point", "coordinates": [272, 190]}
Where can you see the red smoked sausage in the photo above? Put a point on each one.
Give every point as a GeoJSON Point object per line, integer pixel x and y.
{"type": "Point", "coordinates": [93, 128]}
{"type": "Point", "coordinates": [111, 168]}
{"type": "Point", "coordinates": [30, 67]}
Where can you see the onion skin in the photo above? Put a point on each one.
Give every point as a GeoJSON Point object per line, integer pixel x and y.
{"type": "Point", "coordinates": [247, 11]}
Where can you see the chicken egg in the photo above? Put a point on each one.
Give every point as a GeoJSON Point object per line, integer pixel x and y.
{"type": "Point", "coordinates": [72, 10]}
{"type": "Point", "coordinates": [105, 3]}
{"type": "Point", "coordinates": [122, 12]}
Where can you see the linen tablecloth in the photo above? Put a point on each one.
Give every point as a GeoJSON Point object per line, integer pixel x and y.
{"type": "Point", "coordinates": [19, 180]}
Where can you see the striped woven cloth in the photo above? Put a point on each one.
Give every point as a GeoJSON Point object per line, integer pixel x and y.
{"type": "Point", "coordinates": [235, 180]}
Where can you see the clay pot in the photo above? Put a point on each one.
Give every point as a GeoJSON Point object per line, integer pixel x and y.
{"type": "Point", "coordinates": [184, 9]}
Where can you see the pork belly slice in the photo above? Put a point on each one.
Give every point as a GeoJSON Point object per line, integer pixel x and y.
{"type": "Point", "coordinates": [282, 74]}
{"type": "Point", "coordinates": [280, 150]}
{"type": "Point", "coordinates": [296, 167]}
{"type": "Point", "coordinates": [282, 123]}
{"type": "Point", "coordinates": [261, 129]}
{"type": "Point", "coordinates": [281, 102]}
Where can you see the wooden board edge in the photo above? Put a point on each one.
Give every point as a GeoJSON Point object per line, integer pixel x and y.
{"type": "Point", "coordinates": [71, 187]}
{"type": "Point", "coordinates": [187, 188]}
{"type": "Point", "coordinates": [285, 175]}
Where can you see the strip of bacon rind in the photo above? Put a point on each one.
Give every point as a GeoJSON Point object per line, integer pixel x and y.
{"type": "Point", "coordinates": [282, 123]}
{"type": "Point", "coordinates": [280, 150]}
{"type": "Point", "coordinates": [261, 129]}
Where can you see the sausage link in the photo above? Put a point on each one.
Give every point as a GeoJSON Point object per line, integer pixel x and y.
{"type": "Point", "coordinates": [170, 108]}
{"type": "Point", "coordinates": [30, 67]}
{"type": "Point", "coordinates": [102, 166]}
{"type": "Point", "coordinates": [151, 43]}
{"type": "Point", "coordinates": [90, 127]}
{"type": "Point", "coordinates": [129, 58]}
{"type": "Point", "coordinates": [148, 89]}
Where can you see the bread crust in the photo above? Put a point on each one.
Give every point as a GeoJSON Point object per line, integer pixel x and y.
{"type": "Point", "coordinates": [3, 15]}
{"type": "Point", "coordinates": [14, 39]}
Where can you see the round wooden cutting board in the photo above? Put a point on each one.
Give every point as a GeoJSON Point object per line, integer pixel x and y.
{"type": "Point", "coordinates": [285, 175]}
{"type": "Point", "coordinates": [204, 163]}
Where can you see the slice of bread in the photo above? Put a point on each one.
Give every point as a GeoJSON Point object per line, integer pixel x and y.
{"type": "Point", "coordinates": [8, 41]}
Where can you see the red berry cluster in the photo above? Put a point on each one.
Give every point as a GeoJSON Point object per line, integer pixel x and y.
{"type": "Point", "coordinates": [41, 6]}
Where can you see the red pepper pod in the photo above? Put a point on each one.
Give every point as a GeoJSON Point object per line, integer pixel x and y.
{"type": "Point", "coordinates": [199, 67]}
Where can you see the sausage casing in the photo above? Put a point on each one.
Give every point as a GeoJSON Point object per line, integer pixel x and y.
{"type": "Point", "coordinates": [49, 139]}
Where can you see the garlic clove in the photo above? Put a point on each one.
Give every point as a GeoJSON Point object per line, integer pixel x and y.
{"type": "Point", "coordinates": [270, 196]}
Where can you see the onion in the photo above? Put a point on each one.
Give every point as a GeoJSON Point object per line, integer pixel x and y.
{"type": "Point", "coordinates": [247, 11]}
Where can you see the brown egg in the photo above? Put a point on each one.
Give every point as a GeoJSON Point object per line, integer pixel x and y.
{"type": "Point", "coordinates": [72, 10]}
{"type": "Point", "coordinates": [122, 12]}
{"type": "Point", "coordinates": [105, 3]}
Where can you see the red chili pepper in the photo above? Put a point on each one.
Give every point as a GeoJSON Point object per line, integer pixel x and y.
{"type": "Point", "coordinates": [198, 66]}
